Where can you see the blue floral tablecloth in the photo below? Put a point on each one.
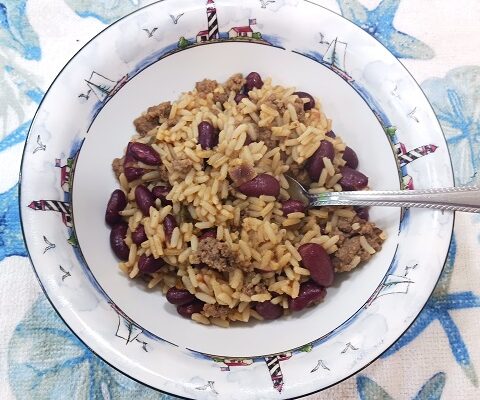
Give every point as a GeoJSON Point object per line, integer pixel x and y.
{"type": "Point", "coordinates": [438, 357]}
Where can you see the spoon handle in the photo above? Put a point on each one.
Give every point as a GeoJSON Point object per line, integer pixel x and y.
{"type": "Point", "coordinates": [466, 199]}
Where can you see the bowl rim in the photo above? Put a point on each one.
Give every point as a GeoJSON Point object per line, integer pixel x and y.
{"type": "Point", "coordinates": [23, 228]}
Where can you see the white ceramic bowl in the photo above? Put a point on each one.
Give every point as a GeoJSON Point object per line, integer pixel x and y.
{"type": "Point", "coordinates": [85, 121]}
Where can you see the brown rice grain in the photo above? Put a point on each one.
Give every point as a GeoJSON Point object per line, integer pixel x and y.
{"type": "Point", "coordinates": [291, 221]}
{"type": "Point", "coordinates": [205, 289]}
{"type": "Point", "coordinates": [356, 260]}
{"type": "Point", "coordinates": [127, 213]}
{"type": "Point", "coordinates": [344, 213]}
{"type": "Point", "coordinates": [222, 323]}
{"type": "Point", "coordinates": [188, 284]}
{"type": "Point", "coordinates": [366, 246]}
{"type": "Point", "coordinates": [183, 256]}
{"type": "Point", "coordinates": [123, 182]}
{"type": "Point", "coordinates": [295, 289]}
{"type": "Point", "coordinates": [124, 268]}
{"type": "Point", "coordinates": [293, 251]}
{"type": "Point", "coordinates": [192, 277]}
{"type": "Point", "coordinates": [164, 212]}
{"type": "Point", "coordinates": [204, 225]}
{"type": "Point", "coordinates": [332, 249]}
{"type": "Point", "coordinates": [301, 271]}
{"type": "Point", "coordinates": [134, 272]}
{"type": "Point", "coordinates": [289, 272]}
{"type": "Point", "coordinates": [155, 281]}
{"type": "Point", "coordinates": [132, 255]}
{"type": "Point", "coordinates": [333, 180]}
{"type": "Point", "coordinates": [205, 298]}
{"type": "Point", "coordinates": [197, 317]}
{"type": "Point", "coordinates": [255, 315]}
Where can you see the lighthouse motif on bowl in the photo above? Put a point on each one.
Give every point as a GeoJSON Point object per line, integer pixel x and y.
{"type": "Point", "coordinates": [212, 33]}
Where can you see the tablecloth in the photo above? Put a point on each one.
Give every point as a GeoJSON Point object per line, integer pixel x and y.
{"type": "Point", "coordinates": [438, 357]}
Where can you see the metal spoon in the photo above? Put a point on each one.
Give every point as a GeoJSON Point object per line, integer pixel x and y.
{"type": "Point", "coordinates": [466, 198]}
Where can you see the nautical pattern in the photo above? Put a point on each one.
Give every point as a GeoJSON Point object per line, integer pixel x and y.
{"type": "Point", "coordinates": [335, 57]}
{"type": "Point", "coordinates": [275, 370]}
{"type": "Point", "coordinates": [212, 20]}
{"type": "Point", "coordinates": [406, 157]}
{"type": "Point", "coordinates": [61, 207]}
{"type": "Point", "coordinates": [102, 87]}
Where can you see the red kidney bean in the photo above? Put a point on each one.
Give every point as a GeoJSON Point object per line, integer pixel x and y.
{"type": "Point", "coordinates": [133, 173]}
{"type": "Point", "coordinates": [161, 192]}
{"type": "Point", "coordinates": [117, 241]}
{"type": "Point", "coordinates": [362, 212]}
{"type": "Point", "coordinates": [139, 236]}
{"type": "Point", "coordinates": [144, 153]}
{"type": "Point", "coordinates": [186, 310]}
{"type": "Point", "coordinates": [291, 206]}
{"type": "Point", "coordinates": [254, 80]}
{"type": "Point", "coordinates": [317, 261]}
{"type": "Point", "coordinates": [309, 293]}
{"type": "Point", "coordinates": [207, 135]}
{"type": "Point", "coordinates": [239, 97]}
{"type": "Point", "coordinates": [268, 310]}
{"type": "Point", "coordinates": [315, 163]}
{"type": "Point", "coordinates": [262, 184]}
{"type": "Point", "coordinates": [179, 297]}
{"type": "Point", "coordinates": [211, 233]}
{"type": "Point", "coordinates": [169, 224]}
{"type": "Point", "coordinates": [144, 199]}
{"type": "Point", "coordinates": [117, 203]}
{"type": "Point", "coordinates": [310, 103]}
{"type": "Point", "coordinates": [352, 179]}
{"type": "Point", "coordinates": [350, 158]}
{"type": "Point", "coordinates": [149, 265]}
{"type": "Point", "coordinates": [331, 134]}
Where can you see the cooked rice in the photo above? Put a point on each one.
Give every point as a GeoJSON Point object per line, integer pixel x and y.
{"type": "Point", "coordinates": [264, 243]}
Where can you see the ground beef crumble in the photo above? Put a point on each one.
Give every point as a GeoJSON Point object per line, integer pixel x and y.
{"type": "Point", "coordinates": [265, 135]}
{"type": "Point", "coordinates": [117, 166]}
{"type": "Point", "coordinates": [205, 87]}
{"type": "Point", "coordinates": [299, 108]}
{"type": "Point", "coordinates": [220, 97]}
{"type": "Point", "coordinates": [250, 289]}
{"type": "Point", "coordinates": [215, 254]}
{"type": "Point", "coordinates": [235, 83]}
{"type": "Point", "coordinates": [241, 174]}
{"type": "Point", "coordinates": [300, 174]}
{"type": "Point", "coordinates": [164, 174]}
{"type": "Point", "coordinates": [152, 118]}
{"type": "Point", "coordinates": [349, 243]}
{"type": "Point", "coordinates": [215, 311]}
{"type": "Point", "coordinates": [182, 166]}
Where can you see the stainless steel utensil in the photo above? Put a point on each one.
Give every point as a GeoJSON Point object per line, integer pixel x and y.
{"type": "Point", "coordinates": [466, 198]}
